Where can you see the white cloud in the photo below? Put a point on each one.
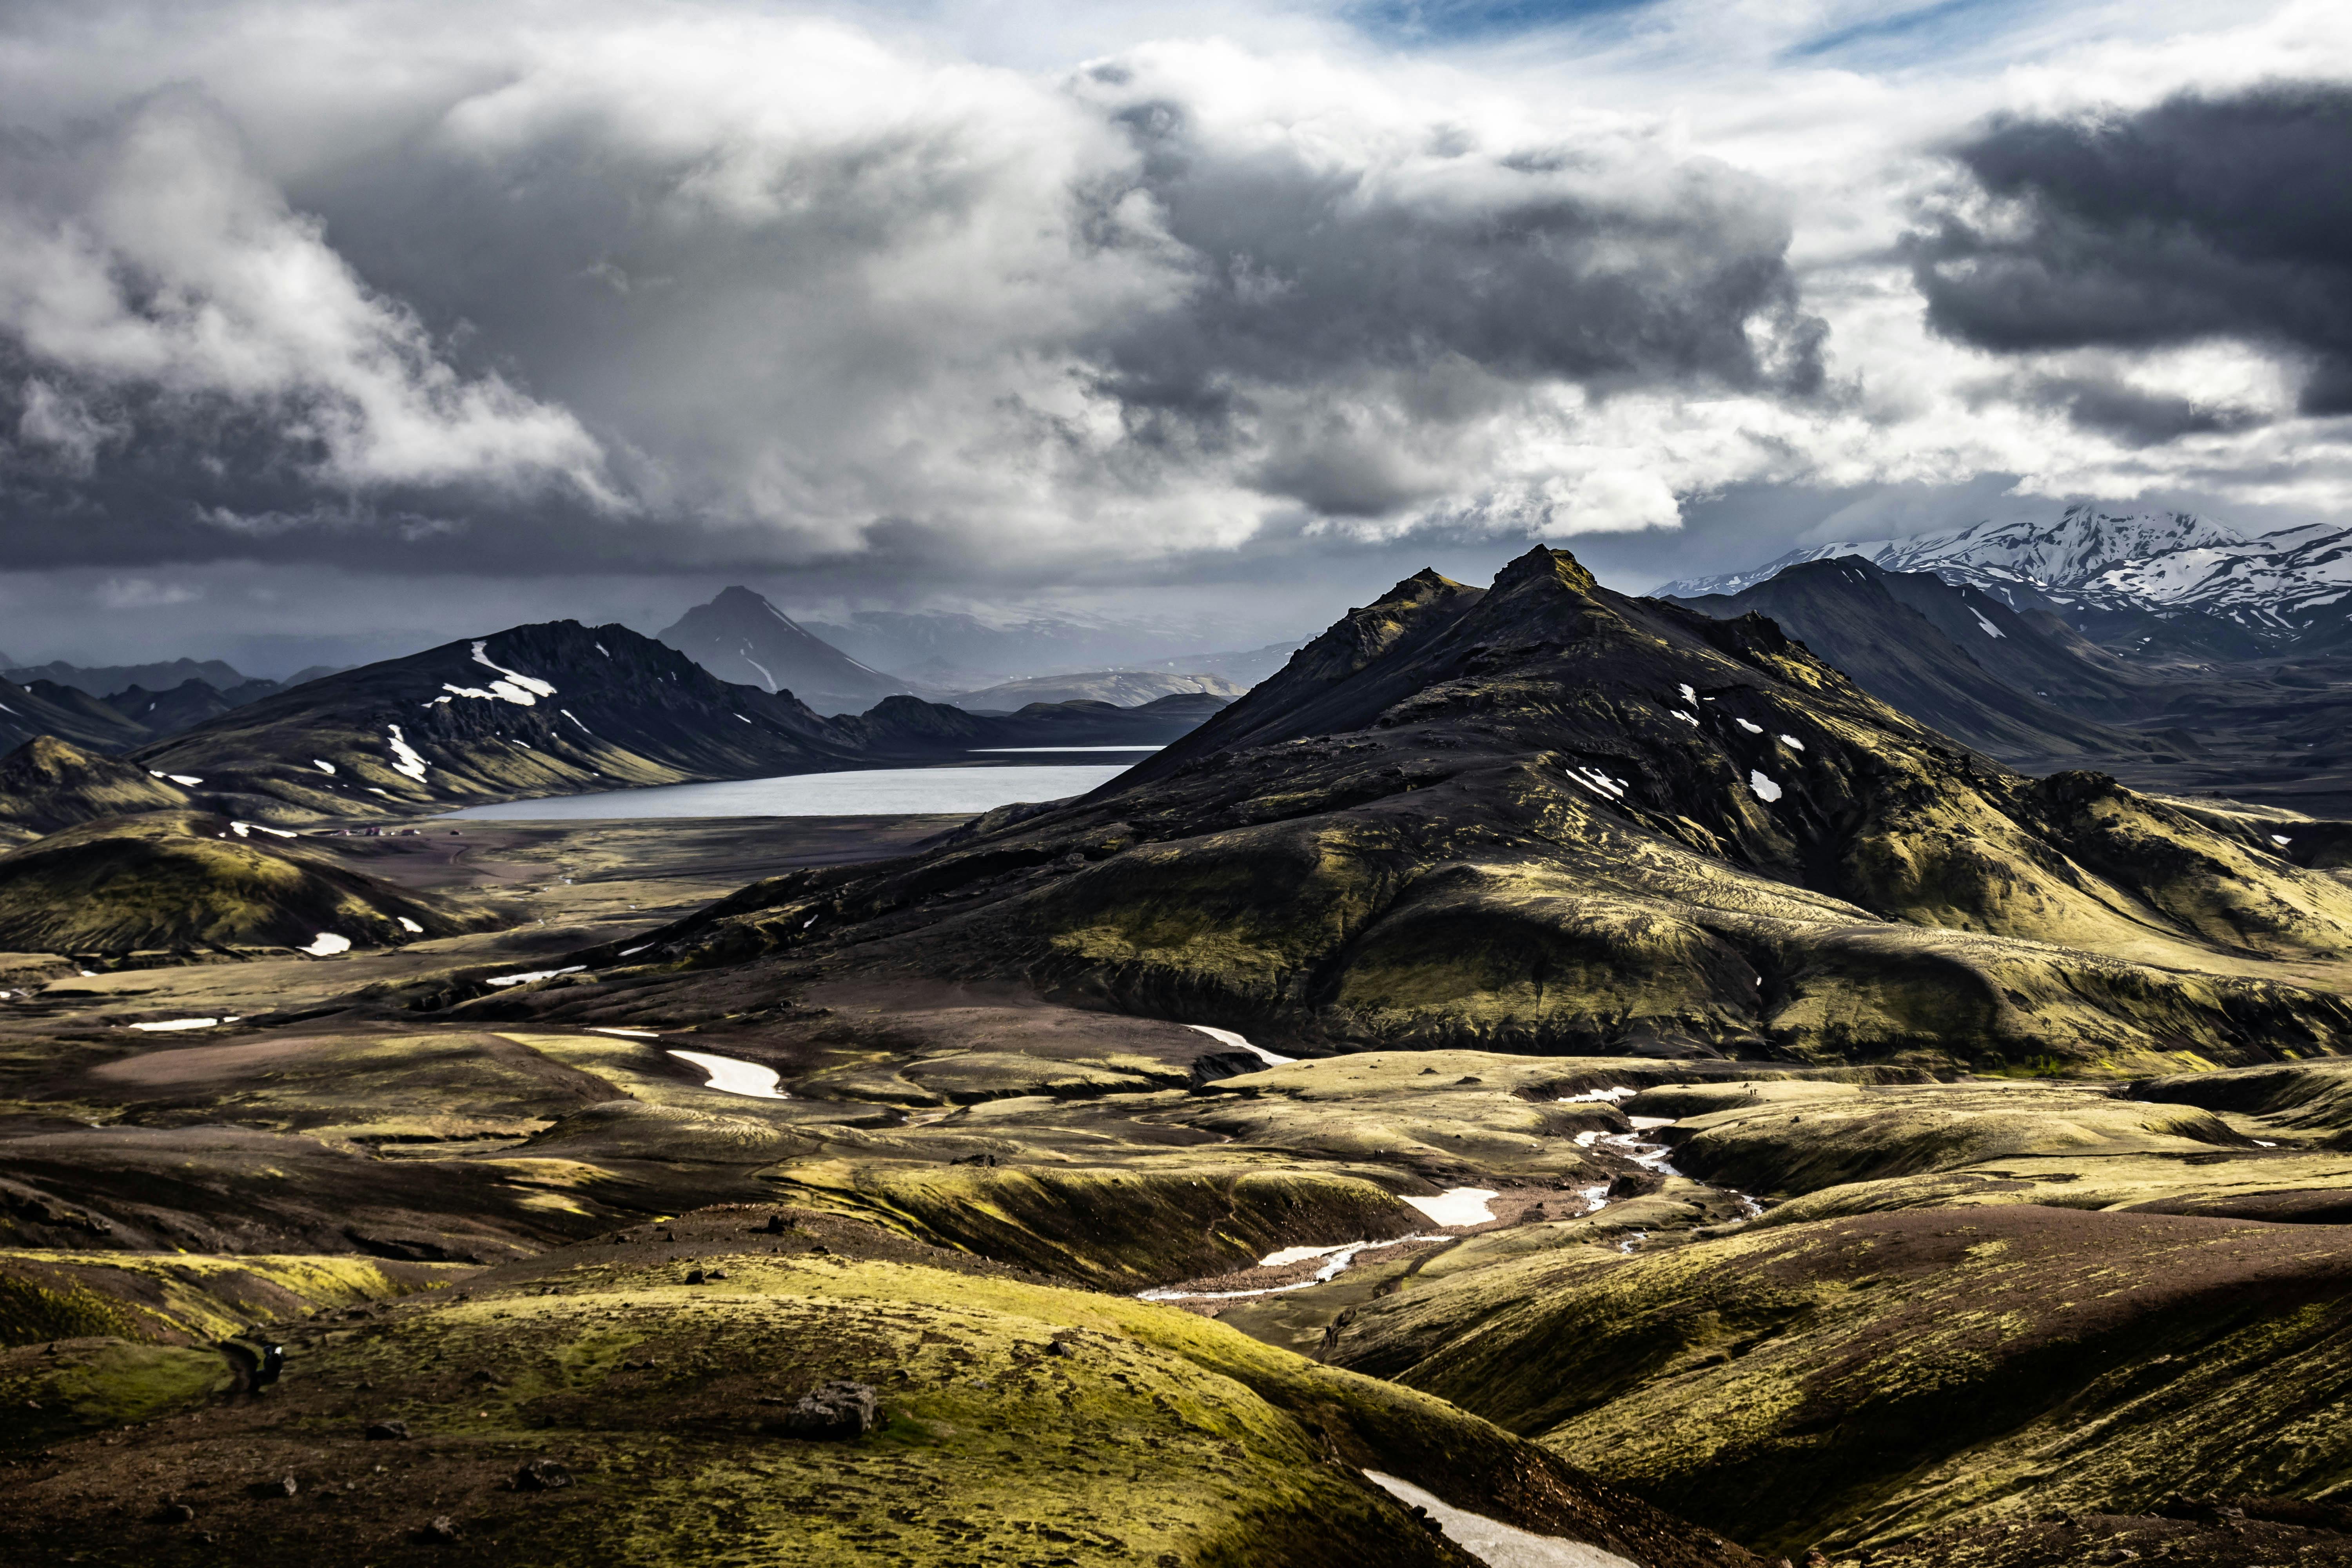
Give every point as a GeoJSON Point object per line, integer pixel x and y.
{"type": "Point", "coordinates": [152, 259]}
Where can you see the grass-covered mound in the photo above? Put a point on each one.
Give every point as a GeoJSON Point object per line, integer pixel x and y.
{"type": "Point", "coordinates": [46, 784]}
{"type": "Point", "coordinates": [188, 880]}
{"type": "Point", "coordinates": [1857, 1380]}
{"type": "Point", "coordinates": [656, 1377]}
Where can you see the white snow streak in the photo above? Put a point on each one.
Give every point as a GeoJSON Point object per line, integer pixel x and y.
{"type": "Point", "coordinates": [1226, 1036]}
{"type": "Point", "coordinates": [1765, 790]}
{"type": "Point", "coordinates": [404, 759]}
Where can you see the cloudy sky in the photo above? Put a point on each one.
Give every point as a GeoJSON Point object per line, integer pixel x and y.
{"type": "Point", "coordinates": [336, 326]}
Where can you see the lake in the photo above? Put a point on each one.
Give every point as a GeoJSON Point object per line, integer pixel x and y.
{"type": "Point", "coordinates": [873, 791]}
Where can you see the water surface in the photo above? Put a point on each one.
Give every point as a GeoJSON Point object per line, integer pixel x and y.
{"type": "Point", "coordinates": [870, 791]}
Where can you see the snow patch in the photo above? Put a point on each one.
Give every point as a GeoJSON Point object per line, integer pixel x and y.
{"type": "Point", "coordinates": [1290, 1254]}
{"type": "Point", "coordinates": [2280, 839]}
{"type": "Point", "coordinates": [404, 759]}
{"type": "Point", "coordinates": [1791, 741]}
{"type": "Point", "coordinates": [568, 713]}
{"type": "Point", "coordinates": [1690, 693]}
{"type": "Point", "coordinates": [326, 944]}
{"type": "Point", "coordinates": [1986, 626]}
{"type": "Point", "coordinates": [534, 974]}
{"type": "Point", "coordinates": [189, 781]}
{"type": "Point", "coordinates": [1765, 790]}
{"type": "Point", "coordinates": [1341, 1257]}
{"type": "Point", "coordinates": [1492, 1541]}
{"type": "Point", "coordinates": [166, 1026]}
{"type": "Point", "coordinates": [626, 950]}
{"type": "Point", "coordinates": [1593, 1094]}
{"type": "Point", "coordinates": [1457, 1205]}
{"type": "Point", "coordinates": [248, 829]}
{"type": "Point", "coordinates": [324, 765]}
{"type": "Point", "coordinates": [530, 684]}
{"type": "Point", "coordinates": [729, 1076]}
{"type": "Point", "coordinates": [1751, 729]}
{"type": "Point", "coordinates": [628, 1033]}
{"type": "Point", "coordinates": [410, 926]}
{"type": "Point", "coordinates": [1689, 719]}
{"type": "Point", "coordinates": [1226, 1036]}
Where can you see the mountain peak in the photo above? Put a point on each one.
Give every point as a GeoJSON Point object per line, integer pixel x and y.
{"type": "Point", "coordinates": [740, 637]}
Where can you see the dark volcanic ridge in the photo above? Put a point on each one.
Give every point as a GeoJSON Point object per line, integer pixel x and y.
{"type": "Point", "coordinates": [1545, 817]}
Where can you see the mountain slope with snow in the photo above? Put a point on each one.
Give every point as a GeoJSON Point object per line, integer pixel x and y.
{"type": "Point", "coordinates": [2163, 581]}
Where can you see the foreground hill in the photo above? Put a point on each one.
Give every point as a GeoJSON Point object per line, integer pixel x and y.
{"type": "Point", "coordinates": [740, 638]}
{"type": "Point", "coordinates": [1547, 817]}
{"type": "Point", "coordinates": [191, 881]}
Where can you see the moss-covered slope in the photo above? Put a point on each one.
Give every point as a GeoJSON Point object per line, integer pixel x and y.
{"type": "Point", "coordinates": [190, 881]}
{"type": "Point", "coordinates": [1016, 1423]}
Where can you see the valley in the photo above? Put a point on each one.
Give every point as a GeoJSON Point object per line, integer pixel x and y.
{"type": "Point", "coordinates": [1582, 1068]}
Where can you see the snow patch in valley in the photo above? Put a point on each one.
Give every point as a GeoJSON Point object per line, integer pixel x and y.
{"type": "Point", "coordinates": [628, 1033]}
{"type": "Point", "coordinates": [410, 926]}
{"type": "Point", "coordinates": [534, 974]}
{"type": "Point", "coordinates": [729, 1076]}
{"type": "Point", "coordinates": [1493, 1542]}
{"type": "Point", "coordinates": [1226, 1036]}
{"type": "Point", "coordinates": [189, 781]}
{"type": "Point", "coordinates": [1689, 719]}
{"type": "Point", "coordinates": [324, 765]}
{"type": "Point", "coordinates": [169, 1025]}
{"type": "Point", "coordinates": [326, 944]}
{"type": "Point", "coordinates": [248, 829]}
{"type": "Point", "coordinates": [1457, 1205]}
{"type": "Point", "coordinates": [1593, 1094]}
{"type": "Point", "coordinates": [1290, 1254]}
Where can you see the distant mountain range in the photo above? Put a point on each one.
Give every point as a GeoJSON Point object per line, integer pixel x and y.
{"type": "Point", "coordinates": [552, 708]}
{"type": "Point", "coordinates": [1126, 688]}
{"type": "Point", "coordinates": [2158, 582]}
{"type": "Point", "coordinates": [2013, 685]}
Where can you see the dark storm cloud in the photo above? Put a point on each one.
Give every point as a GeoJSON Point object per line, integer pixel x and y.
{"type": "Point", "coordinates": [1452, 281]}
{"type": "Point", "coordinates": [2199, 218]}
{"type": "Point", "coordinates": [772, 295]}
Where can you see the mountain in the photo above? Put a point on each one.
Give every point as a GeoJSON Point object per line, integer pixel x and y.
{"type": "Point", "coordinates": [98, 680]}
{"type": "Point", "coordinates": [1549, 818]}
{"type": "Point", "coordinates": [191, 881]}
{"type": "Point", "coordinates": [1124, 688]}
{"type": "Point", "coordinates": [1031, 643]}
{"type": "Point", "coordinates": [46, 708]}
{"type": "Point", "coordinates": [1951, 655]}
{"type": "Point", "coordinates": [552, 709]}
{"type": "Point", "coordinates": [1244, 669]}
{"type": "Point", "coordinates": [46, 784]}
{"type": "Point", "coordinates": [2152, 581]}
{"type": "Point", "coordinates": [184, 706]}
{"type": "Point", "coordinates": [740, 638]}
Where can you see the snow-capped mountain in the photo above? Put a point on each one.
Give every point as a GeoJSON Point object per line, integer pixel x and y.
{"type": "Point", "coordinates": [2111, 571]}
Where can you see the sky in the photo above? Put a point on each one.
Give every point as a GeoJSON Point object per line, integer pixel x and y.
{"type": "Point", "coordinates": [333, 329]}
